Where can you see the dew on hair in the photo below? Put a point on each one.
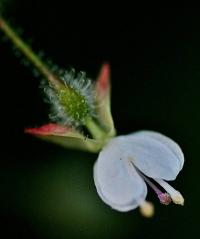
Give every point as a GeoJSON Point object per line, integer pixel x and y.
{"type": "Point", "coordinates": [41, 54]}
{"type": "Point", "coordinates": [35, 72]}
{"type": "Point", "coordinates": [25, 62]}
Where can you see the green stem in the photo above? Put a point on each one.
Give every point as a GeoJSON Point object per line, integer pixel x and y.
{"type": "Point", "coordinates": [96, 131]}
{"type": "Point", "coordinates": [28, 52]}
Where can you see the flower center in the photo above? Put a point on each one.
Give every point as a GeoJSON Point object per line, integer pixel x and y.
{"type": "Point", "coordinates": [166, 197]}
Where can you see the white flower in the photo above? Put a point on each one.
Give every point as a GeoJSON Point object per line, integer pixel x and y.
{"type": "Point", "coordinates": [127, 162]}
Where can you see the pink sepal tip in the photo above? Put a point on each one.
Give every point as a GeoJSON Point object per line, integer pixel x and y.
{"type": "Point", "coordinates": [48, 129]}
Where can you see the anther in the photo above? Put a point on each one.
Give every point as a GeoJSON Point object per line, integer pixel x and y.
{"type": "Point", "coordinates": [164, 198]}
{"type": "Point", "coordinates": [175, 195]}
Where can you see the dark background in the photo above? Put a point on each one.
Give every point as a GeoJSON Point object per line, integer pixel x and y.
{"type": "Point", "coordinates": [47, 191]}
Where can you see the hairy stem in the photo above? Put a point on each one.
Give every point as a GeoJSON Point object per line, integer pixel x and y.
{"type": "Point", "coordinates": [28, 52]}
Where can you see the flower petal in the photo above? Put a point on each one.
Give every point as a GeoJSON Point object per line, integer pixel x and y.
{"type": "Point", "coordinates": [117, 181]}
{"type": "Point", "coordinates": [154, 154]}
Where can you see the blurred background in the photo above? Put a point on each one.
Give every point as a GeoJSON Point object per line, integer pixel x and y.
{"type": "Point", "coordinates": [47, 191]}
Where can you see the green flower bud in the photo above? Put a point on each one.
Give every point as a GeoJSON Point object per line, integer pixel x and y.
{"type": "Point", "coordinates": [72, 102]}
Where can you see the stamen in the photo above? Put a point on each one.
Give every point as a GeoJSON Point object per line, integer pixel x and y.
{"type": "Point", "coordinates": [176, 196]}
{"type": "Point", "coordinates": [164, 198]}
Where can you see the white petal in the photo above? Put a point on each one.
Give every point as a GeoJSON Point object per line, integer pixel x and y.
{"type": "Point", "coordinates": [154, 154]}
{"type": "Point", "coordinates": [117, 182]}
{"type": "Point", "coordinates": [173, 146]}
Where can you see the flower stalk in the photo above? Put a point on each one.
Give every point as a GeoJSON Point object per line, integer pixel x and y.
{"type": "Point", "coordinates": [71, 96]}
{"type": "Point", "coordinates": [95, 130]}
{"type": "Point", "coordinates": [29, 53]}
